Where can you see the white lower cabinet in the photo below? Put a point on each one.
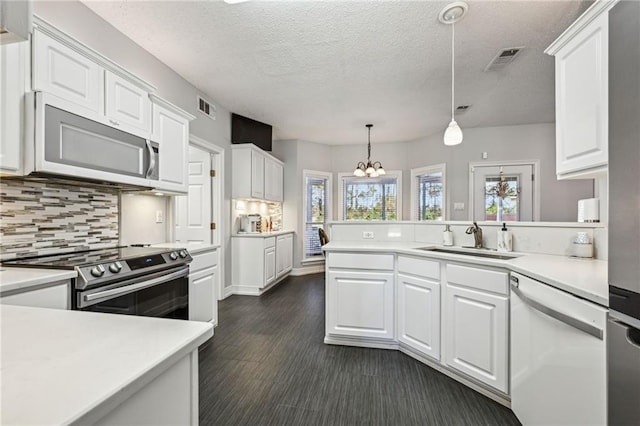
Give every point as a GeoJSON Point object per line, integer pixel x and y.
{"type": "Point", "coordinates": [360, 304]}
{"type": "Point", "coordinates": [203, 287]}
{"type": "Point", "coordinates": [476, 324]}
{"type": "Point", "coordinates": [418, 312]}
{"type": "Point", "coordinates": [259, 261]}
{"type": "Point", "coordinates": [54, 296]}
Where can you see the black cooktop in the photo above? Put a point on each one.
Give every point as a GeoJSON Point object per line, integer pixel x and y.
{"type": "Point", "coordinates": [71, 260]}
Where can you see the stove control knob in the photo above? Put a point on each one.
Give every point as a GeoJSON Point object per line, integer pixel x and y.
{"type": "Point", "coordinates": [173, 255]}
{"type": "Point", "coordinates": [97, 271]}
{"type": "Point", "coordinates": [115, 267]}
{"type": "Point", "coordinates": [183, 253]}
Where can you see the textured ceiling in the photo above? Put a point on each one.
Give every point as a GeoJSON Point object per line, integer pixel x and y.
{"type": "Point", "coordinates": [321, 70]}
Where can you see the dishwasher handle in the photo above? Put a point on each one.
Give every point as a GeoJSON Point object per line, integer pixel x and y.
{"type": "Point", "coordinates": [560, 316]}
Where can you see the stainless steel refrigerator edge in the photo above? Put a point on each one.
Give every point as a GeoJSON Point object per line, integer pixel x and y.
{"type": "Point", "coordinates": [623, 329]}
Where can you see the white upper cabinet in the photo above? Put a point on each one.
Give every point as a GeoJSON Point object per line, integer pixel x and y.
{"type": "Point", "coordinates": [171, 131]}
{"type": "Point", "coordinates": [13, 76]}
{"type": "Point", "coordinates": [273, 180]}
{"type": "Point", "coordinates": [63, 71]}
{"type": "Point", "coordinates": [127, 106]}
{"type": "Point", "coordinates": [581, 55]}
{"type": "Point", "coordinates": [256, 174]}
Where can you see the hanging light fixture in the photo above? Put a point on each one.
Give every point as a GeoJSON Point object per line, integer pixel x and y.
{"type": "Point", "coordinates": [451, 14]}
{"type": "Point", "coordinates": [369, 169]}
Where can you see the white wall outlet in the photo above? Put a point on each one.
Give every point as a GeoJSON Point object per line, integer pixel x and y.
{"type": "Point", "coordinates": [159, 216]}
{"type": "Point", "coordinates": [485, 155]}
{"type": "Point", "coordinates": [458, 206]}
{"type": "Point", "coordinates": [368, 235]}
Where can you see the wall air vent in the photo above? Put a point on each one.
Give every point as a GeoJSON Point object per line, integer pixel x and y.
{"type": "Point", "coordinates": [206, 108]}
{"type": "Point", "coordinates": [503, 58]}
{"type": "Point", "coordinates": [462, 108]}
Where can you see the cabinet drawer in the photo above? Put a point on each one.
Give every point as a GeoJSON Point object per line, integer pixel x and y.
{"type": "Point", "coordinates": [203, 260]}
{"type": "Point", "coordinates": [54, 297]}
{"type": "Point", "coordinates": [420, 267]}
{"type": "Point", "coordinates": [269, 242]}
{"type": "Point", "coordinates": [361, 261]}
{"type": "Point", "coordinates": [481, 279]}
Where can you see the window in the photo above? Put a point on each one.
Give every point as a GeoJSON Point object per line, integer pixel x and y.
{"type": "Point", "coordinates": [371, 198]}
{"type": "Point", "coordinates": [317, 208]}
{"type": "Point", "coordinates": [428, 193]}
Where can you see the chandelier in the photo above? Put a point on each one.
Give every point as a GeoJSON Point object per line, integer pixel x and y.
{"type": "Point", "coordinates": [502, 189]}
{"type": "Point", "coordinates": [369, 169]}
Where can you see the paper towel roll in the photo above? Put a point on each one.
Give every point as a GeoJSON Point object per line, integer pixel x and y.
{"type": "Point", "coordinates": [588, 210]}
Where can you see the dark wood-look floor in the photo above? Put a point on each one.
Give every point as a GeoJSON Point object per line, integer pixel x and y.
{"type": "Point", "coordinates": [267, 365]}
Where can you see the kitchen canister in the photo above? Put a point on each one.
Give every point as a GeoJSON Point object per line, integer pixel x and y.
{"type": "Point", "coordinates": [582, 246]}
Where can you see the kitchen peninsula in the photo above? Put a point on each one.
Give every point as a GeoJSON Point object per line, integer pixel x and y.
{"type": "Point", "coordinates": [72, 367]}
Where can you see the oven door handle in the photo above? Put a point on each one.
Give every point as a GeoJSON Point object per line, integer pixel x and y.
{"type": "Point", "coordinates": [560, 316]}
{"type": "Point", "coordinates": [121, 291]}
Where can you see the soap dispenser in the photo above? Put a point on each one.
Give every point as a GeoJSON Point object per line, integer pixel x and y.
{"type": "Point", "coordinates": [447, 236]}
{"type": "Point", "coordinates": [504, 239]}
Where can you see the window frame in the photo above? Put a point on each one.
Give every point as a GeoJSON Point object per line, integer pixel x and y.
{"type": "Point", "coordinates": [328, 210]}
{"type": "Point", "coordinates": [441, 167]}
{"type": "Point", "coordinates": [390, 173]}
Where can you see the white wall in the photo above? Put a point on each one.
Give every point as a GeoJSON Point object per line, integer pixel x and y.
{"type": "Point", "coordinates": [77, 20]}
{"type": "Point", "coordinates": [138, 219]}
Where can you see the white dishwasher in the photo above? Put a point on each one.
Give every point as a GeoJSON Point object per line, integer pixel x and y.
{"type": "Point", "coordinates": [558, 356]}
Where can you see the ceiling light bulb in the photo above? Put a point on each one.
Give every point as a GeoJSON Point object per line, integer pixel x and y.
{"type": "Point", "coordinates": [453, 134]}
{"type": "Point", "coordinates": [381, 171]}
{"type": "Point", "coordinates": [358, 172]}
{"type": "Point", "coordinates": [370, 170]}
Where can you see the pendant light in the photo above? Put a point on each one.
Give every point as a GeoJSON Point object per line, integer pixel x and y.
{"type": "Point", "coordinates": [451, 14]}
{"type": "Point", "coordinates": [369, 169]}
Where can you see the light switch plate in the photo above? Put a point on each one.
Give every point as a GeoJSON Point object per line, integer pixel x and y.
{"type": "Point", "coordinates": [458, 206]}
{"type": "Point", "coordinates": [159, 216]}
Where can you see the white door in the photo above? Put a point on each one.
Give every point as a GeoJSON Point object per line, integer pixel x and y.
{"type": "Point", "coordinates": [64, 72]}
{"type": "Point", "coordinates": [475, 333]}
{"type": "Point", "coordinates": [582, 90]}
{"type": "Point", "coordinates": [171, 131]}
{"type": "Point", "coordinates": [257, 175]}
{"type": "Point", "coordinates": [488, 206]}
{"type": "Point", "coordinates": [269, 265]}
{"type": "Point", "coordinates": [360, 304]}
{"type": "Point", "coordinates": [193, 211]}
{"type": "Point", "coordinates": [202, 294]}
{"type": "Point", "coordinates": [558, 357]}
{"type": "Point", "coordinates": [126, 105]}
{"type": "Point", "coordinates": [418, 311]}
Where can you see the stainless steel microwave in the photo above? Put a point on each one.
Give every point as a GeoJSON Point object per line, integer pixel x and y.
{"type": "Point", "coordinates": [73, 142]}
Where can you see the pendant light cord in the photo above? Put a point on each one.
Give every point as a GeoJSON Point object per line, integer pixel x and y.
{"type": "Point", "coordinates": [369, 147]}
{"type": "Point", "coordinates": [453, 68]}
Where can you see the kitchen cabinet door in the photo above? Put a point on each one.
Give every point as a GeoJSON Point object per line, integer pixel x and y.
{"type": "Point", "coordinates": [202, 294]}
{"type": "Point", "coordinates": [582, 101]}
{"type": "Point", "coordinates": [127, 106]}
{"type": "Point", "coordinates": [418, 313]}
{"type": "Point", "coordinates": [475, 334]}
{"type": "Point", "coordinates": [273, 183]}
{"type": "Point", "coordinates": [284, 254]}
{"type": "Point", "coordinates": [360, 304]}
{"type": "Point", "coordinates": [13, 75]}
{"type": "Point", "coordinates": [257, 175]}
{"type": "Point", "coordinates": [64, 72]}
{"type": "Point", "coordinates": [269, 265]}
{"type": "Point", "coordinates": [171, 132]}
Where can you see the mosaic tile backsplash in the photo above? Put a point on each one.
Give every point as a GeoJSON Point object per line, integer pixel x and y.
{"type": "Point", "coordinates": [38, 218]}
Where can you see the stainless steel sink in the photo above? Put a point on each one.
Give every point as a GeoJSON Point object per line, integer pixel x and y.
{"type": "Point", "coordinates": [471, 252]}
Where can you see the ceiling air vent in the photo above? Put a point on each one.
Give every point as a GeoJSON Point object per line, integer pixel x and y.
{"type": "Point", "coordinates": [462, 108]}
{"type": "Point", "coordinates": [503, 58]}
{"type": "Point", "coordinates": [206, 108]}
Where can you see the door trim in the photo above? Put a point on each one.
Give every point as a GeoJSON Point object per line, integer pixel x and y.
{"type": "Point", "coordinates": [536, 182]}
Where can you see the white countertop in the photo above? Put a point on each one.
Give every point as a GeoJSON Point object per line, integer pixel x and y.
{"type": "Point", "coordinates": [62, 366]}
{"type": "Point", "coordinates": [585, 278]}
{"type": "Point", "coordinates": [12, 279]}
{"type": "Point", "coordinates": [262, 234]}
{"type": "Point", "coordinates": [192, 248]}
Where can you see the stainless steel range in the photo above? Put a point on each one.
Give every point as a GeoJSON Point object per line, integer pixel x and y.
{"type": "Point", "coordinates": [124, 280]}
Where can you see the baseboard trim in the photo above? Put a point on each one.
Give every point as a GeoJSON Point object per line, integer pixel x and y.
{"type": "Point", "coordinates": [228, 291]}
{"type": "Point", "coordinates": [246, 290]}
{"type": "Point", "coordinates": [360, 342]}
{"type": "Point", "coordinates": [306, 270]}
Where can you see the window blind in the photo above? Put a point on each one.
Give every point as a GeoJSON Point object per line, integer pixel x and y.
{"type": "Point", "coordinates": [316, 200]}
{"type": "Point", "coordinates": [430, 196]}
{"type": "Point", "coordinates": [371, 199]}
